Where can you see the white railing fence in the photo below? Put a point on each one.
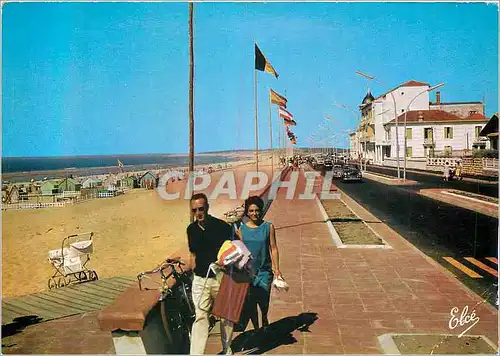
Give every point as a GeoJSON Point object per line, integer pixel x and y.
{"type": "Point", "coordinates": [17, 206]}
{"type": "Point", "coordinates": [490, 164]}
{"type": "Point", "coordinates": [442, 161]}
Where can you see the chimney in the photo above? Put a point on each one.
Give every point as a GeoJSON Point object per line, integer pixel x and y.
{"type": "Point", "coordinates": [438, 98]}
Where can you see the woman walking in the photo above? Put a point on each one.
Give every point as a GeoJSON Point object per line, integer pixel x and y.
{"type": "Point", "coordinates": [260, 238]}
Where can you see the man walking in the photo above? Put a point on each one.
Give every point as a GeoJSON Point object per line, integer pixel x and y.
{"type": "Point", "coordinates": [205, 237]}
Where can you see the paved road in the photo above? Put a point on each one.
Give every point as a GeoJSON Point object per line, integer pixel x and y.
{"type": "Point", "coordinates": [432, 181]}
{"type": "Point", "coordinates": [437, 229]}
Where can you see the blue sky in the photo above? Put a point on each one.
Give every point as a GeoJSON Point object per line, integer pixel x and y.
{"type": "Point", "coordinates": [112, 78]}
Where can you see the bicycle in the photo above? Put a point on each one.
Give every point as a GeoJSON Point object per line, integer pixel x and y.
{"type": "Point", "coordinates": [177, 307]}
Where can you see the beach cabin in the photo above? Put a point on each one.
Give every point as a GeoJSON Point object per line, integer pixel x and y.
{"type": "Point", "coordinates": [68, 184]}
{"type": "Point", "coordinates": [49, 187]}
{"type": "Point", "coordinates": [91, 183]}
{"type": "Point", "coordinates": [147, 180]}
{"type": "Point", "coordinates": [10, 194]}
{"type": "Point", "coordinates": [34, 188]}
{"type": "Point", "coordinates": [129, 182]}
{"type": "Point", "coordinates": [111, 183]}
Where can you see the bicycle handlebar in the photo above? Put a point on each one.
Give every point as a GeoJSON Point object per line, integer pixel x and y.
{"type": "Point", "coordinates": [171, 263]}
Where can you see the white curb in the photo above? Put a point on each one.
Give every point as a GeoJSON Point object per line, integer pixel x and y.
{"type": "Point", "coordinates": [469, 198]}
{"type": "Point", "coordinates": [335, 236]}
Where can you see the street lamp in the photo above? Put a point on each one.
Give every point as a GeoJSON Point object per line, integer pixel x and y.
{"type": "Point", "coordinates": [356, 113]}
{"type": "Point", "coordinates": [324, 126]}
{"type": "Point", "coordinates": [406, 112]}
{"type": "Point", "coordinates": [364, 75]}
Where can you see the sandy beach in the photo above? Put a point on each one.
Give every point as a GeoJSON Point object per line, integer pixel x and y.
{"type": "Point", "coordinates": [133, 232]}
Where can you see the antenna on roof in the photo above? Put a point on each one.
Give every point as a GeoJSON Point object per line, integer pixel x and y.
{"type": "Point", "coordinates": [484, 105]}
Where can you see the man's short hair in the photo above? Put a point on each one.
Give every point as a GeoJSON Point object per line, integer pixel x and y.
{"type": "Point", "coordinates": [199, 196]}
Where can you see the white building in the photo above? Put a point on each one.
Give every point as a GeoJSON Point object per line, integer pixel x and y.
{"type": "Point", "coordinates": [376, 112]}
{"type": "Point", "coordinates": [433, 132]}
{"type": "Point", "coordinates": [377, 140]}
{"type": "Point", "coordinates": [354, 145]}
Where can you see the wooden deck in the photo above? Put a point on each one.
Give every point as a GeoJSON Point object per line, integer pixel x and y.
{"type": "Point", "coordinates": [66, 301]}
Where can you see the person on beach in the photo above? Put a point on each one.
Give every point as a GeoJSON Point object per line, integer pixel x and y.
{"type": "Point", "coordinates": [446, 172]}
{"type": "Point", "coordinates": [205, 238]}
{"type": "Point", "coordinates": [458, 171]}
{"type": "Point", "coordinates": [260, 238]}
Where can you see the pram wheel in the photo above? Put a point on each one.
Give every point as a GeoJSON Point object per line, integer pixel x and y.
{"type": "Point", "coordinates": [93, 276]}
{"type": "Point", "coordinates": [61, 282]}
{"type": "Point", "coordinates": [52, 283]}
{"type": "Point", "coordinates": [82, 276]}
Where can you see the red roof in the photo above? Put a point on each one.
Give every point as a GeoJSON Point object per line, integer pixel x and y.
{"type": "Point", "coordinates": [410, 83]}
{"type": "Point", "coordinates": [476, 116]}
{"type": "Point", "coordinates": [413, 83]}
{"type": "Point", "coordinates": [436, 116]}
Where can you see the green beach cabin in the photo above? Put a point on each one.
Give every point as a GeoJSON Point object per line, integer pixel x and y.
{"type": "Point", "coordinates": [148, 179]}
{"type": "Point", "coordinates": [49, 187]}
{"type": "Point", "coordinates": [69, 185]}
{"type": "Point", "coordinates": [129, 182]}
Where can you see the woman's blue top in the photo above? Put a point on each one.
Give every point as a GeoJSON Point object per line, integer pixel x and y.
{"type": "Point", "coordinates": [257, 241]}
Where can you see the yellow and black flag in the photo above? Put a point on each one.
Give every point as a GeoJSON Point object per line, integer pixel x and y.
{"type": "Point", "coordinates": [277, 99]}
{"type": "Point", "coordinates": [261, 63]}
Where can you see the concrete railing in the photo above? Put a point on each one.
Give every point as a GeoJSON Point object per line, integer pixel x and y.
{"type": "Point", "coordinates": [442, 161]}
{"type": "Point", "coordinates": [490, 164]}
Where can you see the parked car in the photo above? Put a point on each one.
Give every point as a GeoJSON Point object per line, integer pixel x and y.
{"type": "Point", "coordinates": [351, 173]}
{"type": "Point", "coordinates": [319, 163]}
{"type": "Point", "coordinates": [328, 164]}
{"type": "Point", "coordinates": [337, 171]}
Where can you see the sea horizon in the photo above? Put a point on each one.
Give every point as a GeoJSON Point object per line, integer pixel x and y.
{"type": "Point", "coordinates": [39, 168]}
{"type": "Point", "coordinates": [133, 154]}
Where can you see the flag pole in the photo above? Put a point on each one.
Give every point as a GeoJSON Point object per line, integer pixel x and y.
{"type": "Point", "coordinates": [284, 136]}
{"type": "Point", "coordinates": [271, 136]}
{"type": "Point", "coordinates": [256, 126]}
{"type": "Point", "coordinates": [283, 142]}
{"type": "Point", "coordinates": [191, 104]}
{"type": "Point", "coordinates": [279, 136]}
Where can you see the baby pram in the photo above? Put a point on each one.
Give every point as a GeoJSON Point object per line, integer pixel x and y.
{"type": "Point", "coordinates": [70, 261]}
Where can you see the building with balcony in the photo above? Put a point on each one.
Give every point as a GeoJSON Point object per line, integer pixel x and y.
{"type": "Point", "coordinates": [375, 140]}
{"type": "Point", "coordinates": [433, 128]}
{"type": "Point", "coordinates": [433, 133]}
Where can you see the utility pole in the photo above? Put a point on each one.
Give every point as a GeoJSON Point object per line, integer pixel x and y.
{"type": "Point", "coordinates": [191, 106]}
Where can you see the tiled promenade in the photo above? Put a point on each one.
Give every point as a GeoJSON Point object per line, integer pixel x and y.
{"type": "Point", "coordinates": [358, 294]}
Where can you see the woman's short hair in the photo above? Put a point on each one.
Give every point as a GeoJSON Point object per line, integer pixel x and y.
{"type": "Point", "coordinates": [254, 200]}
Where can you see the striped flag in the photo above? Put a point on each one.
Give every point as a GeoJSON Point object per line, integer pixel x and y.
{"type": "Point", "coordinates": [261, 63]}
{"type": "Point", "coordinates": [287, 116]}
{"type": "Point", "coordinates": [291, 136]}
{"type": "Point", "coordinates": [277, 99]}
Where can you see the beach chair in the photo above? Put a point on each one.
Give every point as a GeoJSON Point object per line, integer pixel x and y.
{"type": "Point", "coordinates": [70, 261]}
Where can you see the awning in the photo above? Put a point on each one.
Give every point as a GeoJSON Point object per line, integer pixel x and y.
{"type": "Point", "coordinates": [491, 128]}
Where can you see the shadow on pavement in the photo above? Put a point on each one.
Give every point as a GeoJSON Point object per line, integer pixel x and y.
{"type": "Point", "coordinates": [276, 334]}
{"type": "Point", "coordinates": [19, 324]}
